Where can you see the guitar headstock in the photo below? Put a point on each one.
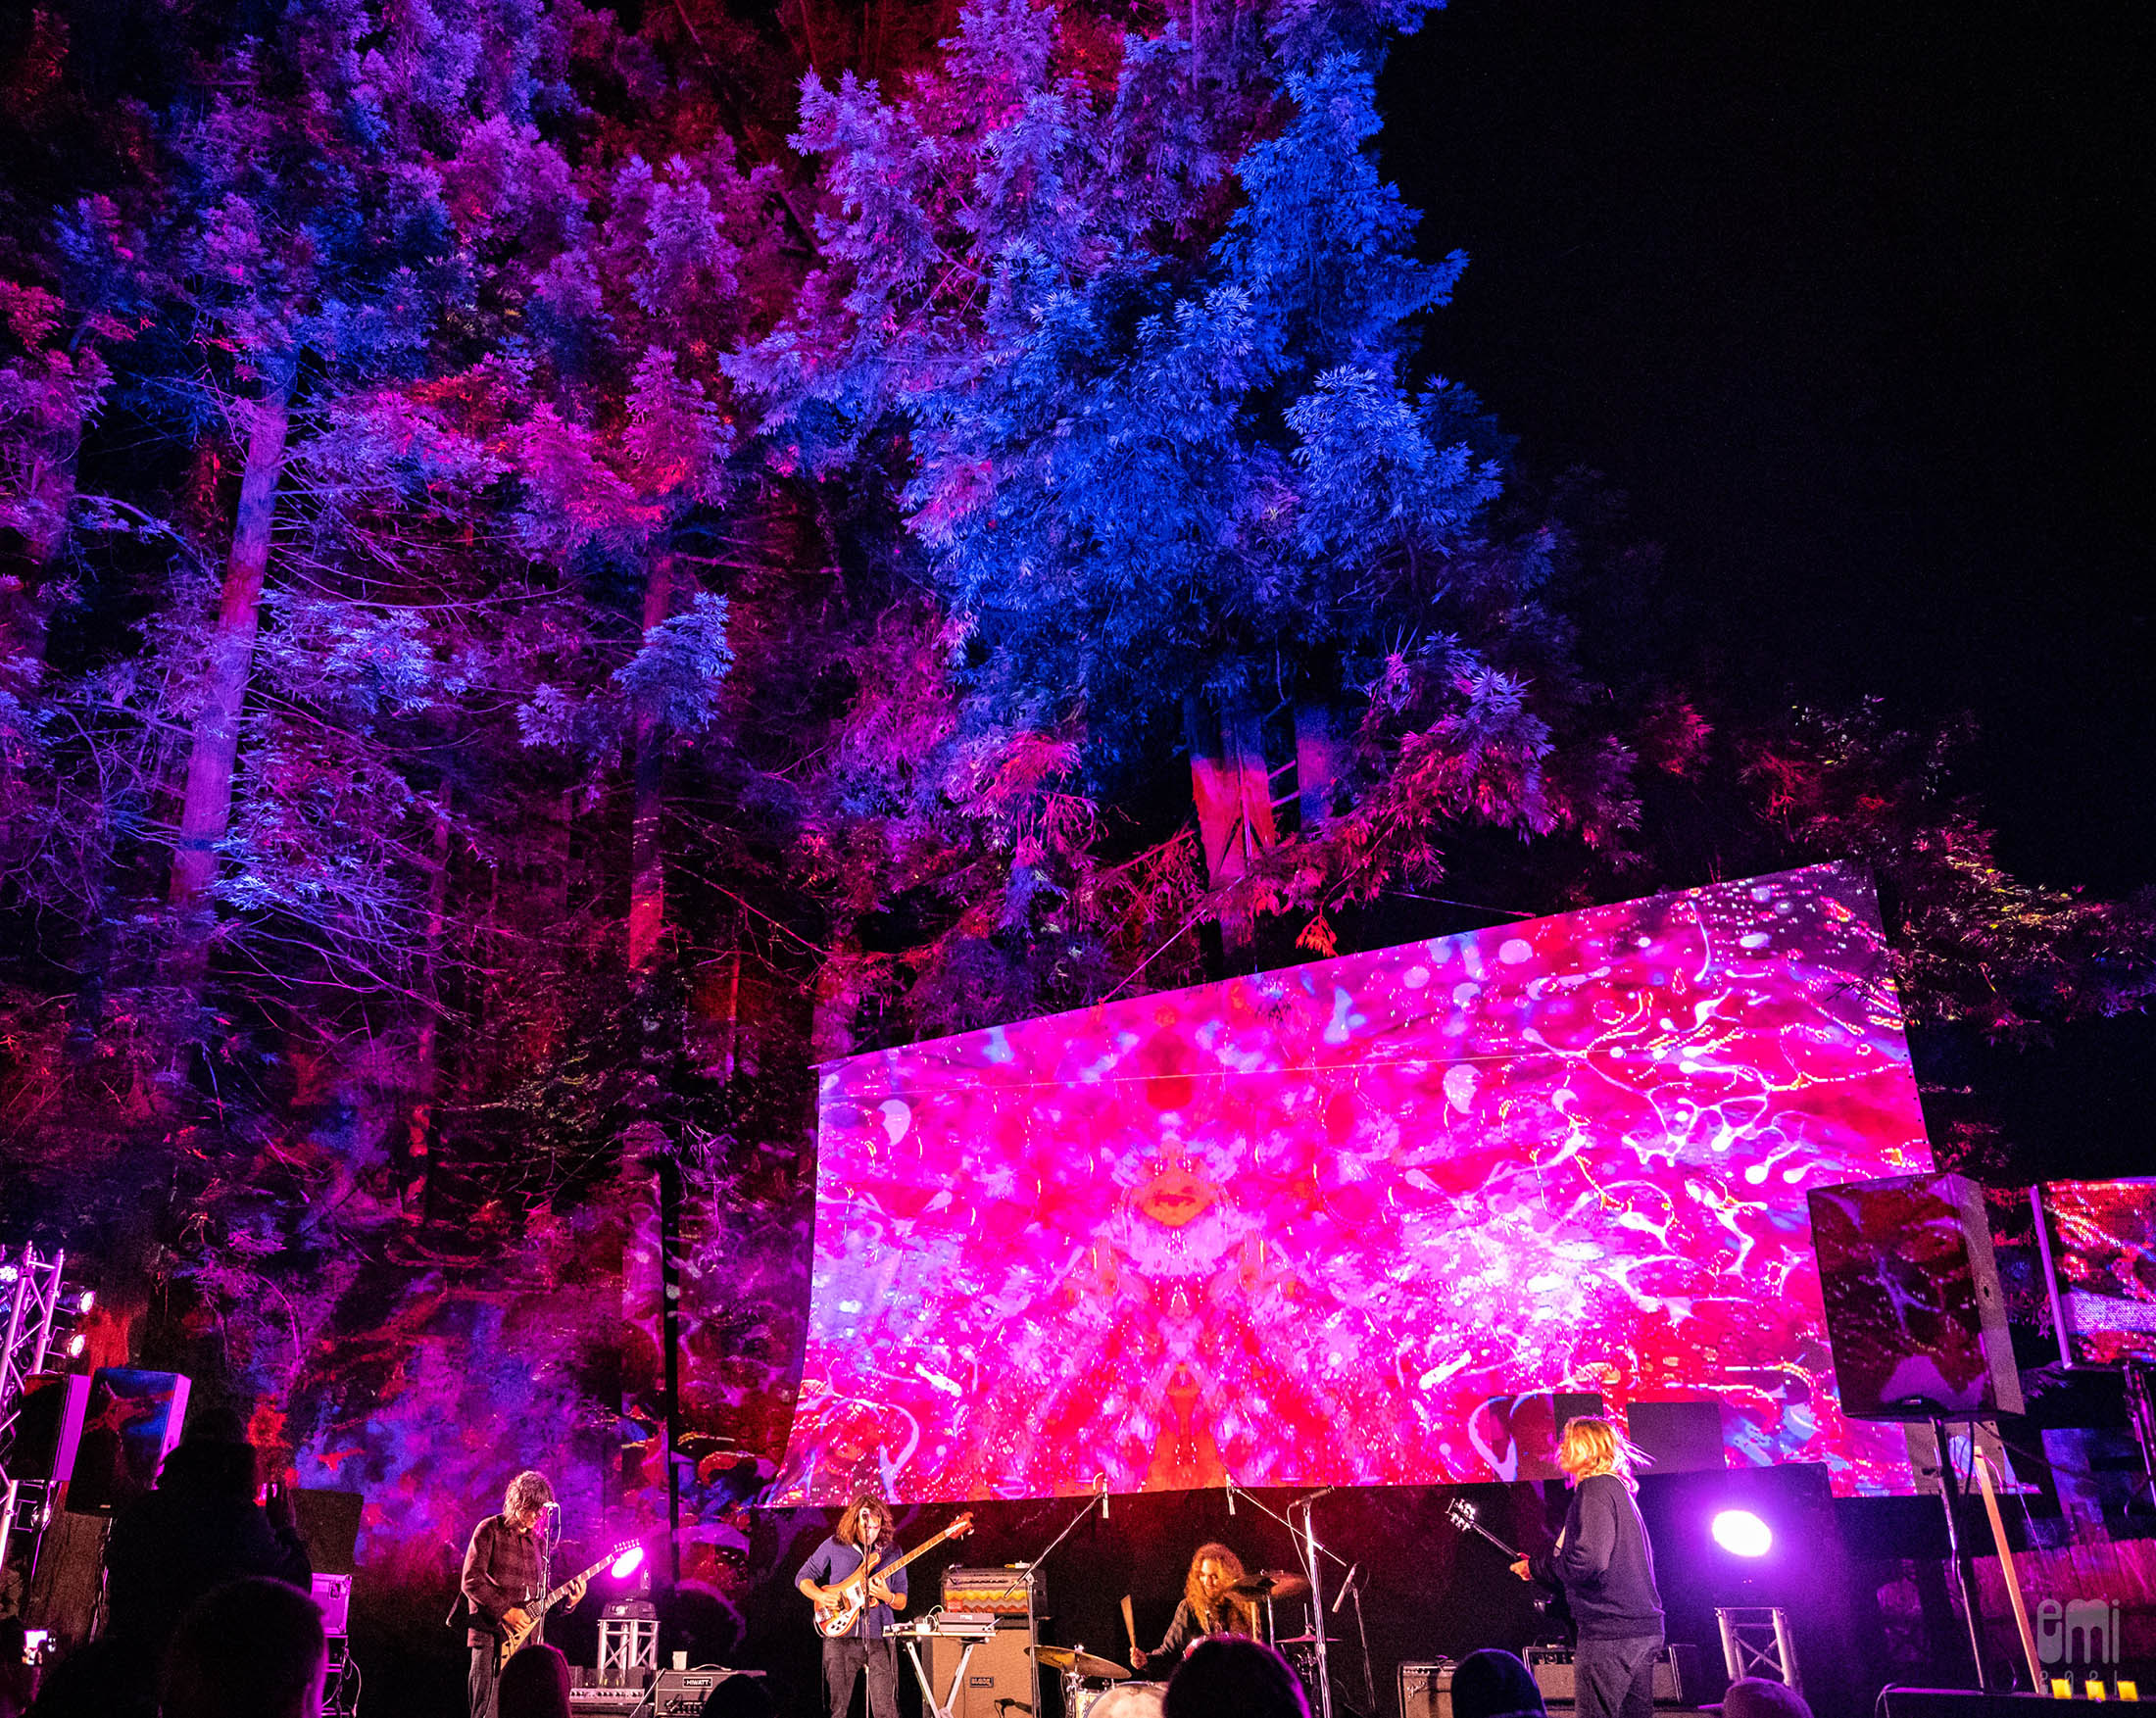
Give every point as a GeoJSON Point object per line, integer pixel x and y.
{"type": "Point", "coordinates": [959, 1528]}
{"type": "Point", "coordinates": [1461, 1513]}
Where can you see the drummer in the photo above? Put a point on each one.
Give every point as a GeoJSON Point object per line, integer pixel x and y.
{"type": "Point", "coordinates": [1210, 1606]}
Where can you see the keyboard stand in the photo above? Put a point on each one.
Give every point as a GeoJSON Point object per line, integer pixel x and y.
{"type": "Point", "coordinates": [928, 1689]}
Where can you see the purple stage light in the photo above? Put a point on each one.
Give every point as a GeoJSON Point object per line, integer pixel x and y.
{"type": "Point", "coordinates": [626, 1563]}
{"type": "Point", "coordinates": [1742, 1534]}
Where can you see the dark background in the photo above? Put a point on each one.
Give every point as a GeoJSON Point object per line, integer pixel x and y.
{"type": "Point", "coordinates": [1852, 300]}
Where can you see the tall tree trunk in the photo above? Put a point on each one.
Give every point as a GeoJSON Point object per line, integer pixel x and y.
{"type": "Point", "coordinates": [206, 803]}
{"type": "Point", "coordinates": [1234, 797]}
{"type": "Point", "coordinates": [1321, 765]}
{"type": "Point", "coordinates": [418, 1129]}
{"type": "Point", "coordinates": [647, 854]}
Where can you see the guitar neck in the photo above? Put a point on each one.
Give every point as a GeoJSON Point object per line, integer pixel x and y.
{"type": "Point", "coordinates": [927, 1545]}
{"type": "Point", "coordinates": [1495, 1540]}
{"type": "Point", "coordinates": [554, 1598]}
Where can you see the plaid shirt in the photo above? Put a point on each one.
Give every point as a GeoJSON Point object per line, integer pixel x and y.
{"type": "Point", "coordinates": [500, 1573]}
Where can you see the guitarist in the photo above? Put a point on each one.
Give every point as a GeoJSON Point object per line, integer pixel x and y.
{"type": "Point", "coordinates": [1605, 1566]}
{"type": "Point", "coordinates": [864, 1531]}
{"type": "Point", "coordinates": [504, 1575]}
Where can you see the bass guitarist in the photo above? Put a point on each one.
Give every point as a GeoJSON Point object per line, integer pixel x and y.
{"type": "Point", "coordinates": [504, 1575]}
{"type": "Point", "coordinates": [865, 1531]}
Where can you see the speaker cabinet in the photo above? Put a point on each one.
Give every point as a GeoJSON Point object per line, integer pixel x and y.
{"type": "Point", "coordinates": [1678, 1436]}
{"type": "Point", "coordinates": [1912, 1294]}
{"type": "Point", "coordinates": [1677, 1677]}
{"type": "Point", "coordinates": [130, 1425]}
{"type": "Point", "coordinates": [48, 1426]}
{"type": "Point", "coordinates": [1426, 1690]}
{"type": "Point", "coordinates": [998, 1676]}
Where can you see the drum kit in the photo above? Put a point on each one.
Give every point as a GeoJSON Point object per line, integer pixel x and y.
{"type": "Point", "coordinates": [1100, 1688]}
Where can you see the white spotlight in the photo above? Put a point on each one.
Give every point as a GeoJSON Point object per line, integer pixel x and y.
{"type": "Point", "coordinates": [1742, 1534]}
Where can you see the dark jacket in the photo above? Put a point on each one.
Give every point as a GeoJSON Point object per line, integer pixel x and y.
{"type": "Point", "coordinates": [1604, 1563]}
{"type": "Point", "coordinates": [501, 1574]}
{"type": "Point", "coordinates": [1184, 1627]}
{"type": "Point", "coordinates": [198, 1530]}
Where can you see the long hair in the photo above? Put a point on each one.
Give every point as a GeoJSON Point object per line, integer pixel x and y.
{"type": "Point", "coordinates": [1592, 1445]}
{"type": "Point", "coordinates": [1242, 1612]}
{"type": "Point", "coordinates": [850, 1522]}
{"type": "Point", "coordinates": [529, 1490]}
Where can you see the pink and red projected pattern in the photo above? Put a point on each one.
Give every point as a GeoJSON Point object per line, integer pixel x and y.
{"type": "Point", "coordinates": [1298, 1228]}
{"type": "Point", "coordinates": [2103, 1247]}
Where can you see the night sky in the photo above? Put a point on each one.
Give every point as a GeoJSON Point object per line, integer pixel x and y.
{"type": "Point", "coordinates": [1852, 301]}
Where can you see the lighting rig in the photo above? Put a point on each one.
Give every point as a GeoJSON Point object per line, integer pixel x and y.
{"type": "Point", "coordinates": [41, 1309]}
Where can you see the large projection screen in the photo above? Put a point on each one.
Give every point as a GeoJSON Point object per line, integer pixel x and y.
{"type": "Point", "coordinates": [1296, 1229]}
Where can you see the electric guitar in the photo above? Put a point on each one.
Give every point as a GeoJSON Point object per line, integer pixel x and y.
{"type": "Point", "coordinates": [839, 1616]}
{"type": "Point", "coordinates": [1462, 1515]}
{"type": "Point", "coordinates": [514, 1639]}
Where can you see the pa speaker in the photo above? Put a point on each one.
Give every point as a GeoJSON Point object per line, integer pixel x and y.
{"type": "Point", "coordinates": [48, 1425]}
{"type": "Point", "coordinates": [1678, 1436]}
{"type": "Point", "coordinates": [1912, 1296]}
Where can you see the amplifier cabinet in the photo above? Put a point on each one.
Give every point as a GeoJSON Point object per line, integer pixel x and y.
{"type": "Point", "coordinates": [333, 1595]}
{"type": "Point", "coordinates": [1001, 1671]}
{"type": "Point", "coordinates": [1677, 1677]}
{"type": "Point", "coordinates": [1426, 1689]}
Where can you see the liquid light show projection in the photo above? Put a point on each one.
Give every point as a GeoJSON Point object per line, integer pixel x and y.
{"type": "Point", "coordinates": [1298, 1228]}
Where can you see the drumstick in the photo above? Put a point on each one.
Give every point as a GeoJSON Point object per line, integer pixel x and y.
{"type": "Point", "coordinates": [1129, 1628]}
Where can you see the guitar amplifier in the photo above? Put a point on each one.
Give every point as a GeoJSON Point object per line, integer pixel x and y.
{"type": "Point", "coordinates": [1426, 1689]}
{"type": "Point", "coordinates": [1677, 1678]}
{"type": "Point", "coordinates": [681, 1693]}
{"type": "Point", "coordinates": [333, 1595]}
{"type": "Point", "coordinates": [586, 1701]}
{"type": "Point", "coordinates": [994, 1592]}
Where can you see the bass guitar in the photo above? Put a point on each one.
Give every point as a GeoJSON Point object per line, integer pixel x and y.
{"type": "Point", "coordinates": [841, 1613]}
{"type": "Point", "coordinates": [515, 1639]}
{"type": "Point", "coordinates": [1548, 1605]}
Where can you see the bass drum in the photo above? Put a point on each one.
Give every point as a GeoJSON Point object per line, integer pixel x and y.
{"type": "Point", "coordinates": [1124, 1699]}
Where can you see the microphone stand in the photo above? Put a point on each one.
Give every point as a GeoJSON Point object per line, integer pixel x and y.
{"type": "Point", "coordinates": [1315, 1569]}
{"type": "Point", "coordinates": [1033, 1661]}
{"type": "Point", "coordinates": [1369, 1670]}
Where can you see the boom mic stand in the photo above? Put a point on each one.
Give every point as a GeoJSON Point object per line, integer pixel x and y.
{"type": "Point", "coordinates": [1070, 1526]}
{"type": "Point", "coordinates": [1317, 1613]}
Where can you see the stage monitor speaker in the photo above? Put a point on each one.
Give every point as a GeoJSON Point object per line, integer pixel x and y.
{"type": "Point", "coordinates": [1912, 1294]}
{"type": "Point", "coordinates": [998, 1676]}
{"type": "Point", "coordinates": [1678, 1436]}
{"type": "Point", "coordinates": [330, 1522]}
{"type": "Point", "coordinates": [1678, 1679]}
{"type": "Point", "coordinates": [130, 1425]}
{"type": "Point", "coordinates": [48, 1426]}
{"type": "Point", "coordinates": [1967, 1703]}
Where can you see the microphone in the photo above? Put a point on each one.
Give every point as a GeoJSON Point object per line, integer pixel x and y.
{"type": "Point", "coordinates": [1321, 1491]}
{"type": "Point", "coordinates": [1346, 1587]}
{"type": "Point", "coordinates": [1103, 1484]}
{"type": "Point", "coordinates": [1228, 1482]}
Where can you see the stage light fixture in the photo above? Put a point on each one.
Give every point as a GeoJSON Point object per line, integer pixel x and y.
{"type": "Point", "coordinates": [8, 1273]}
{"type": "Point", "coordinates": [89, 1300]}
{"type": "Point", "coordinates": [75, 1345]}
{"type": "Point", "coordinates": [1742, 1534]}
{"type": "Point", "coordinates": [626, 1563]}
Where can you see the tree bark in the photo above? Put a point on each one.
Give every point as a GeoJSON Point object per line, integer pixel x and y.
{"type": "Point", "coordinates": [646, 851]}
{"type": "Point", "coordinates": [1232, 790]}
{"type": "Point", "coordinates": [206, 802]}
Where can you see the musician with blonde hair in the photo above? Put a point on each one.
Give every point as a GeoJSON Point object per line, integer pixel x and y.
{"type": "Point", "coordinates": [1605, 1566]}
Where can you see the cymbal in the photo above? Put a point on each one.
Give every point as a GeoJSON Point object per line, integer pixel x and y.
{"type": "Point", "coordinates": [1083, 1663]}
{"type": "Point", "coordinates": [1271, 1584]}
{"type": "Point", "coordinates": [1301, 1641]}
